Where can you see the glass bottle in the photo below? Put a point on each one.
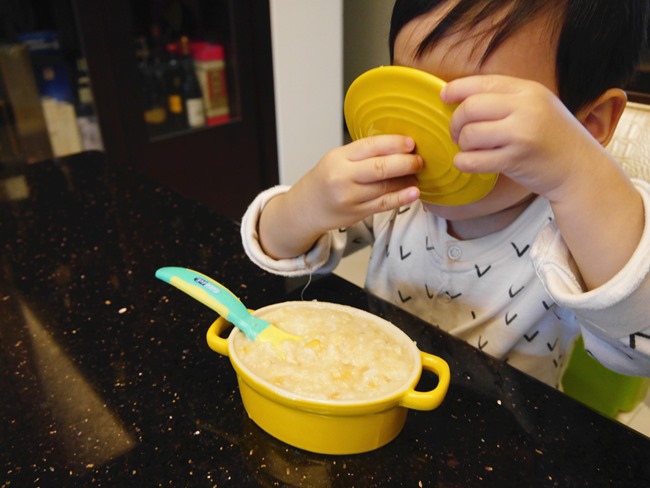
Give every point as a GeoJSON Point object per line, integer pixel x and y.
{"type": "Point", "coordinates": [152, 88]}
{"type": "Point", "coordinates": [175, 100]}
{"type": "Point", "coordinates": [194, 108]}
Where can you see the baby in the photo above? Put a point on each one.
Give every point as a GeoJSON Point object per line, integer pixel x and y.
{"type": "Point", "coordinates": [560, 246]}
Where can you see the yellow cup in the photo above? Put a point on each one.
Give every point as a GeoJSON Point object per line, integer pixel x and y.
{"type": "Point", "coordinates": [406, 101]}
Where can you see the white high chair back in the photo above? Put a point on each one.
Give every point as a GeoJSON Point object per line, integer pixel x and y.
{"type": "Point", "coordinates": [631, 142]}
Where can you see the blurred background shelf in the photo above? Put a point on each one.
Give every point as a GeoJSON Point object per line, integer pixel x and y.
{"type": "Point", "coordinates": [89, 88]}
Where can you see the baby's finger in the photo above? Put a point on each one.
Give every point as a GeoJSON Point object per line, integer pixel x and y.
{"type": "Point", "coordinates": [382, 168]}
{"type": "Point", "coordinates": [395, 199]}
{"type": "Point", "coordinates": [484, 135]}
{"type": "Point", "coordinates": [484, 161]}
{"type": "Point", "coordinates": [389, 200]}
{"type": "Point", "coordinates": [479, 108]}
{"type": "Point", "coordinates": [382, 145]}
{"type": "Point", "coordinates": [375, 190]}
{"type": "Point", "coordinates": [461, 88]}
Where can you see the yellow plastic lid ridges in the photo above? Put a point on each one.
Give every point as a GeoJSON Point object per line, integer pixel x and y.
{"type": "Point", "coordinates": [406, 101]}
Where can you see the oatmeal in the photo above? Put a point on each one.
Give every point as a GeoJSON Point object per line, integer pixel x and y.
{"type": "Point", "coordinates": [343, 355]}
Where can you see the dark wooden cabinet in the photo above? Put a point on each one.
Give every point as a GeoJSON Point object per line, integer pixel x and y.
{"type": "Point", "coordinates": [223, 166]}
{"type": "Point", "coordinates": [87, 57]}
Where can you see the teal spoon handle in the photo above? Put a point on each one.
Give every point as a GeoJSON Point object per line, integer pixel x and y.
{"type": "Point", "coordinates": [214, 295]}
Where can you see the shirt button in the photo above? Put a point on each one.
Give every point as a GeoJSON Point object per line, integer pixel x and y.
{"type": "Point", "coordinates": [454, 253]}
{"type": "Point", "coordinates": [444, 298]}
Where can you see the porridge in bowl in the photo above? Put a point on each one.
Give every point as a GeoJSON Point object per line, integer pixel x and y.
{"type": "Point", "coordinates": [344, 354]}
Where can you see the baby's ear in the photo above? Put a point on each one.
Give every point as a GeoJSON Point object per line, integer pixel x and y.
{"type": "Point", "coordinates": [601, 116]}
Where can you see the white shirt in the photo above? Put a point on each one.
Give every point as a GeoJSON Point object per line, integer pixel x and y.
{"type": "Point", "coordinates": [515, 294]}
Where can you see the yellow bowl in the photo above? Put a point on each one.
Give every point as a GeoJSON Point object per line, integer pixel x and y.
{"type": "Point", "coordinates": [406, 101]}
{"type": "Point", "coordinates": [332, 426]}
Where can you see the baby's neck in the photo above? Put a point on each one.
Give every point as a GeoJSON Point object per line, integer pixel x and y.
{"type": "Point", "coordinates": [488, 224]}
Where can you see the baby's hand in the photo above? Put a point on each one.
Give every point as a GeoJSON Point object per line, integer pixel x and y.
{"type": "Point", "coordinates": [518, 128]}
{"type": "Point", "coordinates": [360, 179]}
{"type": "Point", "coordinates": [347, 185]}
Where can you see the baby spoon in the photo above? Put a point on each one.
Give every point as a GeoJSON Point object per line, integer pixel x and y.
{"type": "Point", "coordinates": [225, 303]}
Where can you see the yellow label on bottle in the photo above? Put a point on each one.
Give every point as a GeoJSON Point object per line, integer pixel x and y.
{"type": "Point", "coordinates": [175, 104]}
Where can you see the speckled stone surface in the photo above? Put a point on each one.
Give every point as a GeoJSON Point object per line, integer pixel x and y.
{"type": "Point", "coordinates": [107, 380]}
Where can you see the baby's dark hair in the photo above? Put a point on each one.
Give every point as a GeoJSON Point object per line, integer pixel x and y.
{"type": "Point", "coordinates": [599, 40]}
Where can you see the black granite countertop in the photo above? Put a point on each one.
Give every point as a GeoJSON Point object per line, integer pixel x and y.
{"type": "Point", "coordinates": [107, 380]}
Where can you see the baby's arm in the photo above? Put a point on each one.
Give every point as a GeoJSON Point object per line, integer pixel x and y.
{"type": "Point", "coordinates": [614, 317]}
{"type": "Point", "coordinates": [348, 184]}
{"type": "Point", "coordinates": [521, 129]}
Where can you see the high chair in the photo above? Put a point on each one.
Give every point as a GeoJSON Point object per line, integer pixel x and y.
{"type": "Point", "coordinates": [631, 142]}
{"type": "Point", "coordinates": [591, 383]}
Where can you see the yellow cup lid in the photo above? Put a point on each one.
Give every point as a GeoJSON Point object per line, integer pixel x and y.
{"type": "Point", "coordinates": [406, 101]}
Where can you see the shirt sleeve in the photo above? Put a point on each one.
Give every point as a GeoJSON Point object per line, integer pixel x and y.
{"type": "Point", "coordinates": [615, 317]}
{"type": "Point", "coordinates": [323, 257]}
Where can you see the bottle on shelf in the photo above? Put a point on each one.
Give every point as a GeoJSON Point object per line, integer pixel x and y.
{"type": "Point", "coordinates": [210, 69]}
{"type": "Point", "coordinates": [175, 100]}
{"type": "Point", "coordinates": [91, 138]}
{"type": "Point", "coordinates": [194, 107]}
{"type": "Point", "coordinates": [152, 88]}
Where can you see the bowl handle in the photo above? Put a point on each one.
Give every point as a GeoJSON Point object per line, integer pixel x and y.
{"type": "Point", "coordinates": [213, 336]}
{"type": "Point", "coordinates": [428, 400]}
